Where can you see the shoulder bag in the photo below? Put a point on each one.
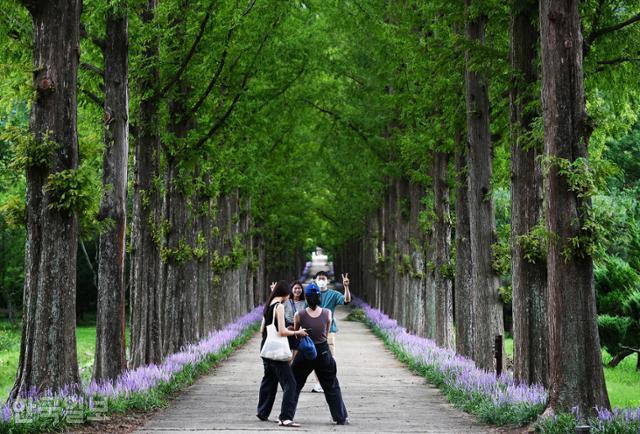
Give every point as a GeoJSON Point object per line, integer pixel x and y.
{"type": "Point", "coordinates": [275, 347]}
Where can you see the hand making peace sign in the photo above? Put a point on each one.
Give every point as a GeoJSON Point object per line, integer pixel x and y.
{"type": "Point", "coordinates": [345, 279]}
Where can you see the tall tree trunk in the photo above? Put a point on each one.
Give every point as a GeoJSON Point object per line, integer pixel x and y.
{"type": "Point", "coordinates": [110, 358]}
{"type": "Point", "coordinates": [576, 373]}
{"type": "Point", "coordinates": [487, 308]}
{"type": "Point", "coordinates": [146, 339]}
{"type": "Point", "coordinates": [529, 276]}
{"type": "Point", "coordinates": [442, 238]}
{"type": "Point", "coordinates": [462, 281]}
{"type": "Point", "coordinates": [48, 346]}
{"type": "Point", "coordinates": [416, 234]}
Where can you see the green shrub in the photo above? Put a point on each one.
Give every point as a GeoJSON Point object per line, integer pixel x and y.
{"type": "Point", "coordinates": [356, 314]}
{"type": "Point", "coordinates": [614, 331]}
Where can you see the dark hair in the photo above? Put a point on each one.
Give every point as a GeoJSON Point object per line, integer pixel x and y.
{"type": "Point", "coordinates": [313, 300]}
{"type": "Point", "coordinates": [294, 283]}
{"type": "Point", "coordinates": [281, 289]}
{"type": "Point", "coordinates": [321, 273]}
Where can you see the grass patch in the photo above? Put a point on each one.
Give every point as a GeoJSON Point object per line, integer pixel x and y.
{"type": "Point", "coordinates": [9, 356]}
{"type": "Point", "coordinates": [10, 352]}
{"type": "Point", "coordinates": [148, 400]}
{"type": "Point", "coordinates": [623, 381]}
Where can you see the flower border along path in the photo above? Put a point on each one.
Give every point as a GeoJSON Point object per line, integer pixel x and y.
{"type": "Point", "coordinates": [499, 401]}
{"type": "Point", "coordinates": [145, 388]}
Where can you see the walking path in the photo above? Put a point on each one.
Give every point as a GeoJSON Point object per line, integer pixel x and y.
{"type": "Point", "coordinates": [380, 393]}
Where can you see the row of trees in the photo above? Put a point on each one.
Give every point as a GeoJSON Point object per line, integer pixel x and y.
{"type": "Point", "coordinates": [506, 112]}
{"type": "Point", "coordinates": [179, 237]}
{"type": "Point", "coordinates": [407, 136]}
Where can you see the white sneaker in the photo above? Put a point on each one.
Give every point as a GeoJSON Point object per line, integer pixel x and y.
{"type": "Point", "coordinates": [317, 388]}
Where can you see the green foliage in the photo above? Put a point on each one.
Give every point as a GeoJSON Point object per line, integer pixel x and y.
{"type": "Point", "coordinates": [615, 331]}
{"type": "Point", "coordinates": [534, 244]}
{"type": "Point", "coordinates": [506, 294]}
{"type": "Point", "coordinates": [70, 190]}
{"type": "Point", "coordinates": [356, 314]}
{"type": "Point", "coordinates": [618, 302]}
{"type": "Point", "coordinates": [614, 281]}
{"type": "Point", "coordinates": [28, 151]}
{"type": "Point", "coordinates": [14, 211]}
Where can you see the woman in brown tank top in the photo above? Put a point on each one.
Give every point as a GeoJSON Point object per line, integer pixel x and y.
{"type": "Point", "coordinates": [317, 321]}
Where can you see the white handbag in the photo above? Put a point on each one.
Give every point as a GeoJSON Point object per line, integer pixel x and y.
{"type": "Point", "coordinates": [275, 347]}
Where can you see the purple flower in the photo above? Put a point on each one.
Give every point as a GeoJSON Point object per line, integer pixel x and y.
{"type": "Point", "coordinates": [457, 372]}
{"type": "Point", "coordinates": [146, 377]}
{"type": "Point", "coordinates": [6, 413]}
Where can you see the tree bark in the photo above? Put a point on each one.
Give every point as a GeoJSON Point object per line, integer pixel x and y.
{"type": "Point", "coordinates": [462, 281]}
{"type": "Point", "coordinates": [529, 277]}
{"type": "Point", "coordinates": [576, 373]}
{"type": "Point", "coordinates": [48, 346]}
{"type": "Point", "coordinates": [487, 308]}
{"type": "Point", "coordinates": [110, 356]}
{"type": "Point", "coordinates": [146, 339]}
{"type": "Point", "coordinates": [442, 237]}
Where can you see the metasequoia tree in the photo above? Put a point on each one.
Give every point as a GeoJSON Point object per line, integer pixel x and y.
{"type": "Point", "coordinates": [575, 361]}
{"type": "Point", "coordinates": [486, 304]}
{"type": "Point", "coordinates": [48, 346]}
{"type": "Point", "coordinates": [110, 358]}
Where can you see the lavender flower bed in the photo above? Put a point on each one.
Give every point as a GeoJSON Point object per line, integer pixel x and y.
{"type": "Point", "coordinates": [496, 400]}
{"type": "Point", "coordinates": [75, 402]}
{"type": "Point", "coordinates": [616, 421]}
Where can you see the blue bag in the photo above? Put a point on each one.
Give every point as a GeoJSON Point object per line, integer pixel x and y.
{"type": "Point", "coordinates": [307, 348]}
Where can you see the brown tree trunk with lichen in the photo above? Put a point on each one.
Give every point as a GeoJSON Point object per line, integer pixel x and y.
{"type": "Point", "coordinates": [575, 361]}
{"type": "Point", "coordinates": [444, 331]}
{"type": "Point", "coordinates": [48, 346]}
{"type": "Point", "coordinates": [146, 299]}
{"type": "Point", "coordinates": [529, 276]}
{"type": "Point", "coordinates": [110, 355]}
{"type": "Point", "coordinates": [487, 307]}
{"type": "Point", "coordinates": [462, 279]}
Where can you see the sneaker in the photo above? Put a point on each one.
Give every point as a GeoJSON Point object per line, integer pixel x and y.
{"type": "Point", "coordinates": [317, 388]}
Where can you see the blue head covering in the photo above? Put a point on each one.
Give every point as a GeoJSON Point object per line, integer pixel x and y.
{"type": "Point", "coordinates": [311, 289]}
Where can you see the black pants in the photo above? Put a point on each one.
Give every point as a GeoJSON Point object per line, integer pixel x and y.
{"type": "Point", "coordinates": [277, 372]}
{"type": "Point", "coordinates": [325, 367]}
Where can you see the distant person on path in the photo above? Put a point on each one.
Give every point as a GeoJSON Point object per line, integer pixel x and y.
{"type": "Point", "coordinates": [329, 299]}
{"type": "Point", "coordinates": [317, 321]}
{"type": "Point", "coordinates": [296, 303]}
{"type": "Point", "coordinates": [278, 371]}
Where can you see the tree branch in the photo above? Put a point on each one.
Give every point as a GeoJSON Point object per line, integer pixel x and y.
{"type": "Point", "coordinates": [93, 271]}
{"type": "Point", "coordinates": [93, 97]}
{"type": "Point", "coordinates": [283, 90]}
{"type": "Point", "coordinates": [352, 126]}
{"type": "Point", "coordinates": [618, 60]}
{"type": "Point", "coordinates": [603, 31]}
{"type": "Point", "coordinates": [339, 118]}
{"type": "Point", "coordinates": [92, 68]}
{"type": "Point", "coordinates": [187, 59]}
{"type": "Point", "coordinates": [213, 80]}
{"type": "Point", "coordinates": [220, 122]}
